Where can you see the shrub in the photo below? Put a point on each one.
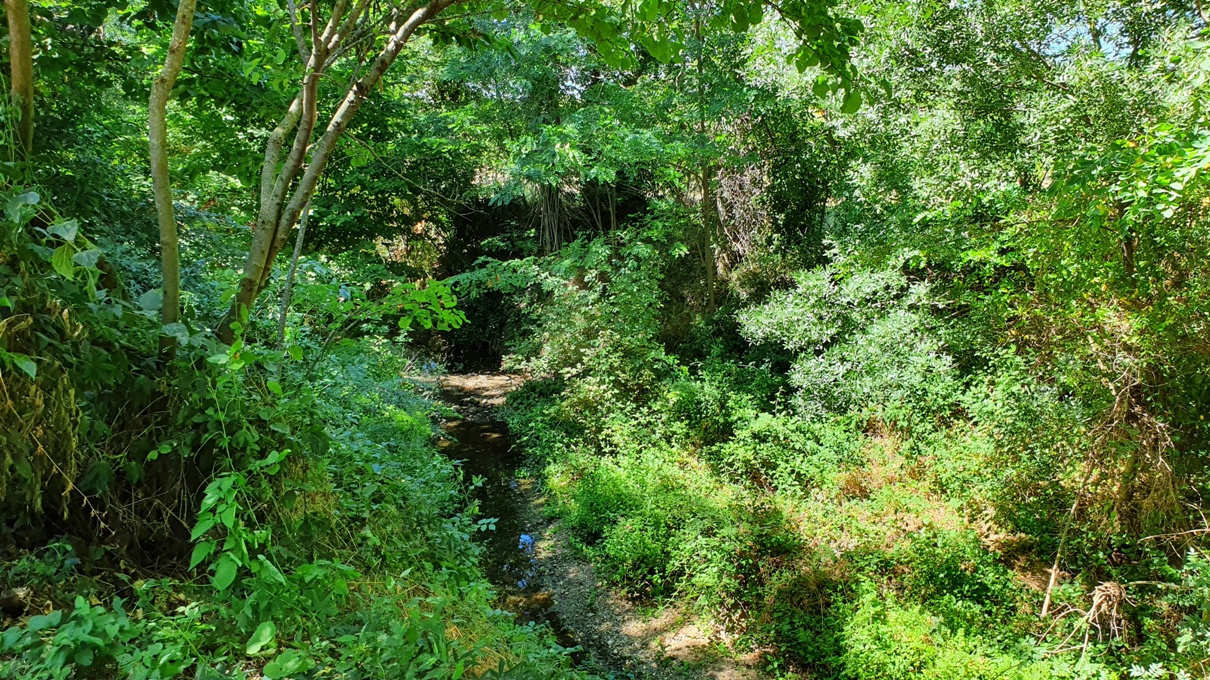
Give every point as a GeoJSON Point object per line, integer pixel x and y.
{"type": "Point", "coordinates": [885, 639]}
{"type": "Point", "coordinates": [786, 453]}
{"type": "Point", "coordinates": [860, 338]}
{"type": "Point", "coordinates": [959, 578]}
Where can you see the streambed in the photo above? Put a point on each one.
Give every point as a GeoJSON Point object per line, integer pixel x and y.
{"type": "Point", "coordinates": [482, 447]}
{"type": "Point", "coordinates": [542, 580]}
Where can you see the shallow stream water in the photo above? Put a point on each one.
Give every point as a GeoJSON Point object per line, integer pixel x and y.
{"type": "Point", "coordinates": [484, 450]}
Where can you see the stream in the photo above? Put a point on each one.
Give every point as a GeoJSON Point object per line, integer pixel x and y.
{"type": "Point", "coordinates": [538, 577]}
{"type": "Point", "coordinates": [482, 447]}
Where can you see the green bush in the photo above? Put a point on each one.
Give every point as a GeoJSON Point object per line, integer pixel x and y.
{"type": "Point", "coordinates": [786, 454]}
{"type": "Point", "coordinates": [885, 639]}
{"type": "Point", "coordinates": [858, 338]}
{"type": "Point", "coordinates": [960, 579]}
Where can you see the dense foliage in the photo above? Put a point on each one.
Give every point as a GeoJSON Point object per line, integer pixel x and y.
{"type": "Point", "coordinates": [872, 334]}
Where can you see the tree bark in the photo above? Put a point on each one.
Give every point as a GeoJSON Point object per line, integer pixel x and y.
{"type": "Point", "coordinates": [278, 215]}
{"type": "Point", "coordinates": [21, 58]}
{"type": "Point", "coordinates": [161, 184]}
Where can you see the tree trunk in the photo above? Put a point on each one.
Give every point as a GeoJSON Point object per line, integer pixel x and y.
{"type": "Point", "coordinates": [21, 58]}
{"type": "Point", "coordinates": [708, 173]}
{"type": "Point", "coordinates": [709, 218]}
{"type": "Point", "coordinates": [1129, 242]}
{"type": "Point", "coordinates": [289, 288]}
{"type": "Point", "coordinates": [280, 209]}
{"type": "Point", "coordinates": [613, 211]}
{"type": "Point", "coordinates": [161, 184]}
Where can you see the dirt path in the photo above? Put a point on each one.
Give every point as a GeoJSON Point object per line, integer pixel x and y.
{"type": "Point", "coordinates": [542, 579]}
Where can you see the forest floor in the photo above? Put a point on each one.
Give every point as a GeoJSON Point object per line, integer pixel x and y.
{"type": "Point", "coordinates": [558, 585]}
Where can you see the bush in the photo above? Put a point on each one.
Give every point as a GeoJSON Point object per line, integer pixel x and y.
{"type": "Point", "coordinates": [960, 579]}
{"type": "Point", "coordinates": [858, 339]}
{"type": "Point", "coordinates": [885, 639]}
{"type": "Point", "coordinates": [787, 454]}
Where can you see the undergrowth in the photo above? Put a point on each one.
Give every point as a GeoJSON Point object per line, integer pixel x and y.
{"type": "Point", "coordinates": [229, 511]}
{"type": "Point", "coordinates": [844, 477]}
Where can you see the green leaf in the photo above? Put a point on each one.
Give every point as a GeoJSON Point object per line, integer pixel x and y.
{"type": "Point", "coordinates": [176, 330]}
{"type": "Point", "coordinates": [87, 258]}
{"type": "Point", "coordinates": [271, 569]}
{"type": "Point", "coordinates": [852, 102]}
{"type": "Point", "coordinates": [274, 387]}
{"type": "Point", "coordinates": [17, 202]}
{"type": "Point", "coordinates": [265, 634]}
{"type": "Point", "coordinates": [649, 10]}
{"type": "Point", "coordinates": [224, 572]}
{"type": "Point", "coordinates": [756, 13]}
{"type": "Point", "coordinates": [61, 261]}
{"type": "Point", "coordinates": [227, 516]}
{"type": "Point", "coordinates": [151, 301]}
{"type": "Point", "coordinates": [203, 525]}
{"type": "Point", "coordinates": [65, 230]}
{"type": "Point", "coordinates": [22, 466]}
{"type": "Point", "coordinates": [43, 621]}
{"type": "Point", "coordinates": [289, 662]}
{"type": "Point", "coordinates": [296, 352]}
{"type": "Point", "coordinates": [26, 364]}
{"type": "Point", "coordinates": [200, 552]}
{"type": "Point", "coordinates": [805, 59]}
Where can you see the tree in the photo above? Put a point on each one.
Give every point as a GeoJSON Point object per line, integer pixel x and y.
{"type": "Point", "coordinates": [157, 139]}
{"type": "Point", "coordinates": [20, 52]}
{"type": "Point", "coordinates": [354, 27]}
{"type": "Point", "coordinates": [285, 191]}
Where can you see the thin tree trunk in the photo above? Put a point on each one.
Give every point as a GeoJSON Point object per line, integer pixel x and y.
{"type": "Point", "coordinates": [1128, 246]}
{"type": "Point", "coordinates": [1054, 569]}
{"type": "Point", "coordinates": [708, 173]}
{"type": "Point", "coordinates": [270, 237]}
{"type": "Point", "coordinates": [289, 288]}
{"type": "Point", "coordinates": [613, 213]}
{"type": "Point", "coordinates": [708, 228]}
{"type": "Point", "coordinates": [21, 58]}
{"type": "Point", "coordinates": [161, 184]}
